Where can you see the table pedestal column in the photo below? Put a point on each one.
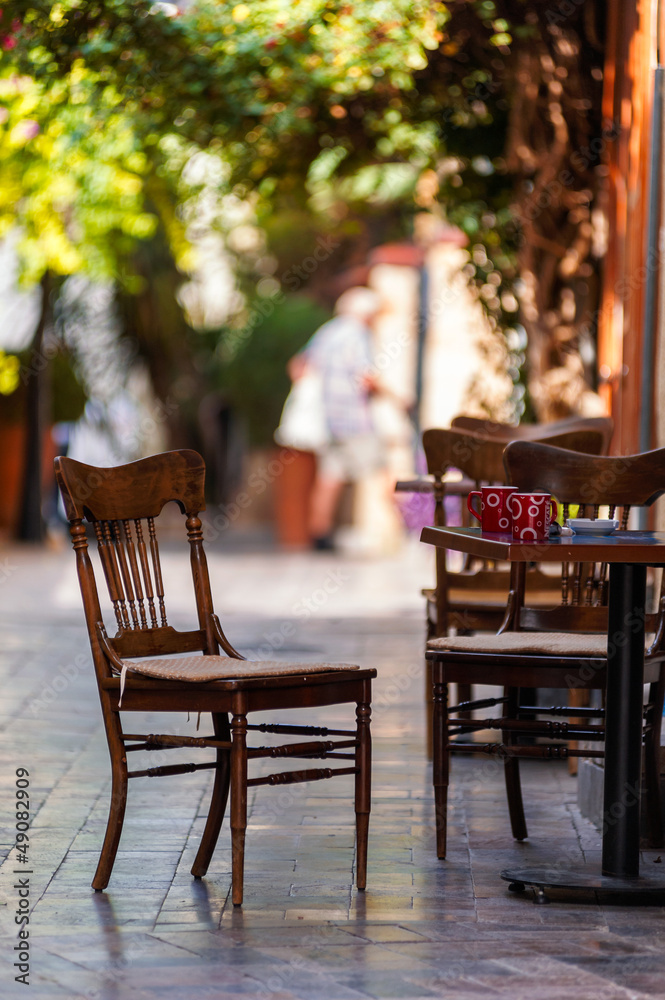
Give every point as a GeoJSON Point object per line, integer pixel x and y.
{"type": "Point", "coordinates": [623, 758]}
{"type": "Point", "coordinates": [623, 721]}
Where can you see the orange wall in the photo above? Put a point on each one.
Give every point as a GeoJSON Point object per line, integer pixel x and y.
{"type": "Point", "coordinates": [631, 58]}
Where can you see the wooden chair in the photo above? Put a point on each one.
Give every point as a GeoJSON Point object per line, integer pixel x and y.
{"type": "Point", "coordinates": [137, 669]}
{"type": "Point", "coordinates": [473, 597]}
{"type": "Point", "coordinates": [536, 432]}
{"type": "Point", "coordinates": [563, 646]}
{"type": "Point", "coordinates": [544, 432]}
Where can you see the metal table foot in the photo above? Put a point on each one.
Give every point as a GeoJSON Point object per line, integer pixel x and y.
{"type": "Point", "coordinates": [540, 879]}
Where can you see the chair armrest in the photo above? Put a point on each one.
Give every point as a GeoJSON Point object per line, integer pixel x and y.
{"type": "Point", "coordinates": [511, 617]}
{"type": "Point", "coordinates": [109, 651]}
{"type": "Point", "coordinates": [222, 640]}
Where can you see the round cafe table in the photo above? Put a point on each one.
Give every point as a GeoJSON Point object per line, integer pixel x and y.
{"type": "Point", "coordinates": [628, 554]}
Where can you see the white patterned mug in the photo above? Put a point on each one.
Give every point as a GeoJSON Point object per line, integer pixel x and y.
{"type": "Point", "coordinates": [495, 515]}
{"type": "Point", "coordinates": [532, 515]}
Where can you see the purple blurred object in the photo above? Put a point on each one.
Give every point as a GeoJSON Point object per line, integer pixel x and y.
{"type": "Point", "coordinates": [417, 509]}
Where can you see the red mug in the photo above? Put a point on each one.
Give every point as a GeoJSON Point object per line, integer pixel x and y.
{"type": "Point", "coordinates": [495, 515]}
{"type": "Point", "coordinates": [532, 515]}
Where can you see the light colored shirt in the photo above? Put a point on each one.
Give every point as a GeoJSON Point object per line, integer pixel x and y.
{"type": "Point", "coordinates": [341, 351]}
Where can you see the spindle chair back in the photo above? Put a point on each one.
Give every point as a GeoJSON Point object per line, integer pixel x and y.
{"type": "Point", "coordinates": [563, 645]}
{"type": "Point", "coordinates": [474, 596]}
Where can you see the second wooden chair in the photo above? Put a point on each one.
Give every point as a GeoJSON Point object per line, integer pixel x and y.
{"type": "Point", "coordinates": [473, 597]}
{"type": "Point", "coordinates": [563, 646]}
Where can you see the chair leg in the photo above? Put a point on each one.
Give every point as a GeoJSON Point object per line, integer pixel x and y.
{"type": "Point", "coordinates": [511, 771]}
{"type": "Point", "coordinates": [440, 758]}
{"type": "Point", "coordinates": [363, 786]}
{"type": "Point", "coordinates": [220, 794]}
{"type": "Point", "coordinates": [652, 754]}
{"type": "Point", "coordinates": [238, 805]}
{"type": "Point", "coordinates": [577, 698]}
{"type": "Point", "coordinates": [463, 695]}
{"type": "Point", "coordinates": [428, 709]}
{"type": "Point", "coordinates": [463, 689]}
{"type": "Point", "coordinates": [116, 815]}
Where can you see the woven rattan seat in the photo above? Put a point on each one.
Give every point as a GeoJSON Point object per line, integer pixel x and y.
{"type": "Point", "coordinates": [547, 643]}
{"type": "Point", "coordinates": [199, 669]}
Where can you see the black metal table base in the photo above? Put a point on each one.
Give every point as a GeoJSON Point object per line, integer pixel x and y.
{"type": "Point", "coordinates": [623, 756]}
{"type": "Point", "coordinates": [646, 884]}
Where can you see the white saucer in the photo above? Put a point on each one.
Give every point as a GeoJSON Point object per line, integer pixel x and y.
{"type": "Point", "coordinates": [587, 526]}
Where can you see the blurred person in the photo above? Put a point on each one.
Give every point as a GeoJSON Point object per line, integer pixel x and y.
{"type": "Point", "coordinates": [108, 432]}
{"type": "Point", "coordinates": [341, 353]}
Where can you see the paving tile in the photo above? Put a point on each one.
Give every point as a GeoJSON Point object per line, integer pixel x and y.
{"type": "Point", "coordinates": [423, 928]}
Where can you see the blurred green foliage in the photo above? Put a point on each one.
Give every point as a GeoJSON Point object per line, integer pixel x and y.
{"type": "Point", "coordinates": [254, 379]}
{"type": "Point", "coordinates": [319, 103]}
{"type": "Point", "coordinates": [76, 178]}
{"type": "Point", "coordinates": [112, 98]}
{"type": "Point", "coordinates": [68, 397]}
{"type": "Point", "coordinates": [9, 373]}
{"type": "Point", "coordinates": [345, 111]}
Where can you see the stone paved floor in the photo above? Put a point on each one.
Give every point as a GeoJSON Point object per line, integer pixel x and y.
{"type": "Point", "coordinates": [424, 928]}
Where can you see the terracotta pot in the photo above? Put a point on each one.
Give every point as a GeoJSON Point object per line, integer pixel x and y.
{"type": "Point", "coordinates": [292, 491]}
{"type": "Point", "coordinates": [12, 447]}
{"type": "Point", "coordinates": [12, 460]}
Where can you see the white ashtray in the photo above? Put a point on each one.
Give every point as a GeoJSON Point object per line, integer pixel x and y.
{"type": "Point", "coordinates": [587, 526]}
